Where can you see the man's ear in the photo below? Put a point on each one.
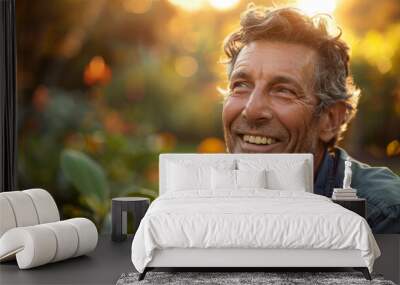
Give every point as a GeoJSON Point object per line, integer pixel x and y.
{"type": "Point", "coordinates": [331, 120]}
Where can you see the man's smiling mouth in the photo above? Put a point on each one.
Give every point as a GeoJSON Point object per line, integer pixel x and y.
{"type": "Point", "coordinates": [257, 143]}
{"type": "Point", "coordinates": [253, 142]}
{"type": "Point", "coordinates": [255, 139]}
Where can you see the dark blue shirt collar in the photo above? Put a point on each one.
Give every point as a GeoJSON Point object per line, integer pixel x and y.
{"type": "Point", "coordinates": [330, 173]}
{"type": "Point", "coordinates": [323, 176]}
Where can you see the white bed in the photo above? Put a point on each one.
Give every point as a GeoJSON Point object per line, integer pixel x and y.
{"type": "Point", "coordinates": [250, 226]}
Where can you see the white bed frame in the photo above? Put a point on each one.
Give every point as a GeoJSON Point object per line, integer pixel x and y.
{"type": "Point", "coordinates": [250, 257]}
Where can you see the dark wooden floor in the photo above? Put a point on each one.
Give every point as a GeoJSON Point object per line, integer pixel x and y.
{"type": "Point", "coordinates": [110, 259]}
{"type": "Point", "coordinates": [102, 266]}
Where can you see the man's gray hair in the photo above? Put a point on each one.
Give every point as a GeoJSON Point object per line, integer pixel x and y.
{"type": "Point", "coordinates": [332, 79]}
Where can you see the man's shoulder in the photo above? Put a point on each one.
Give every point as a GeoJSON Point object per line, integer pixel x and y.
{"type": "Point", "coordinates": [381, 187]}
{"type": "Point", "coordinates": [379, 184]}
{"type": "Point", "coordinates": [365, 171]}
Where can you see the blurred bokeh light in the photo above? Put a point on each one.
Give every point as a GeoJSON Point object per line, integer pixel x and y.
{"type": "Point", "coordinates": [312, 7]}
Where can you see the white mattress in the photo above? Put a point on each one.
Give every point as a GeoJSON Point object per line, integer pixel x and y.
{"type": "Point", "coordinates": [256, 218]}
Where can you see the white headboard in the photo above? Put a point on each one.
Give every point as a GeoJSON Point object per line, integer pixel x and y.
{"type": "Point", "coordinates": [296, 157]}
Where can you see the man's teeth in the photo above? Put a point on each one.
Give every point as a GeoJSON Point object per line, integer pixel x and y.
{"type": "Point", "coordinates": [258, 139]}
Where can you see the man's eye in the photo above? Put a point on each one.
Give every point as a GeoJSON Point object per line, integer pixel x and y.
{"type": "Point", "coordinates": [239, 88]}
{"type": "Point", "coordinates": [284, 91]}
{"type": "Point", "coordinates": [239, 84]}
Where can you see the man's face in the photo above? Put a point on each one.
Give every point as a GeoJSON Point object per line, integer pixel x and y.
{"type": "Point", "coordinates": [271, 105]}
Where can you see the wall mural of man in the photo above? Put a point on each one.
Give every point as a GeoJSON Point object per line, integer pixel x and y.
{"type": "Point", "coordinates": [290, 91]}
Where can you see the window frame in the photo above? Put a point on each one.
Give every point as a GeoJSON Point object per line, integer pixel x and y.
{"type": "Point", "coordinates": [8, 98]}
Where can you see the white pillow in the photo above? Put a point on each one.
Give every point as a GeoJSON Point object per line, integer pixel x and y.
{"type": "Point", "coordinates": [193, 175]}
{"type": "Point", "coordinates": [281, 174]}
{"type": "Point", "coordinates": [293, 179]}
{"type": "Point", "coordinates": [183, 178]}
{"type": "Point", "coordinates": [223, 179]}
{"type": "Point", "coordinates": [227, 179]}
{"type": "Point", "coordinates": [251, 178]}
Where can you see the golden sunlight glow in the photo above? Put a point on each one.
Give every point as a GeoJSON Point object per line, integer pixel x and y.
{"type": "Point", "coordinates": [195, 5]}
{"type": "Point", "coordinates": [223, 4]}
{"type": "Point", "coordinates": [186, 66]}
{"type": "Point", "coordinates": [378, 48]}
{"type": "Point", "coordinates": [189, 5]}
{"type": "Point", "coordinates": [137, 7]}
{"type": "Point", "coordinates": [312, 7]}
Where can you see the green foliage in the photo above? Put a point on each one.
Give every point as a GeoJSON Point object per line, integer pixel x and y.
{"type": "Point", "coordinates": [85, 174]}
{"type": "Point", "coordinates": [90, 181]}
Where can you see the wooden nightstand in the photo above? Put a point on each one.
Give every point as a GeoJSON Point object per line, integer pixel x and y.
{"type": "Point", "coordinates": [120, 208]}
{"type": "Point", "coordinates": [357, 205]}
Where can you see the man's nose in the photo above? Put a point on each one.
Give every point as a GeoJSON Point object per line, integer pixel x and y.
{"type": "Point", "coordinates": [257, 108]}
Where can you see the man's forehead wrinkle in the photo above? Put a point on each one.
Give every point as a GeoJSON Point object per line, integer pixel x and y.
{"type": "Point", "coordinates": [242, 63]}
{"type": "Point", "coordinates": [243, 58]}
{"type": "Point", "coordinates": [258, 61]}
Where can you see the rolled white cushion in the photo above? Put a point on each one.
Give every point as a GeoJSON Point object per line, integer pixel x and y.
{"type": "Point", "coordinates": [7, 218]}
{"type": "Point", "coordinates": [33, 245]}
{"type": "Point", "coordinates": [40, 244]}
{"type": "Point", "coordinates": [67, 239]}
{"type": "Point", "coordinates": [23, 208]}
{"type": "Point", "coordinates": [45, 205]}
{"type": "Point", "coordinates": [87, 235]}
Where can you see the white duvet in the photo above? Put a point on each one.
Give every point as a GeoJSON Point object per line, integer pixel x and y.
{"type": "Point", "coordinates": [251, 218]}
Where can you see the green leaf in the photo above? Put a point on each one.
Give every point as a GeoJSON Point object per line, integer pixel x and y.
{"type": "Point", "coordinates": [135, 190]}
{"type": "Point", "coordinates": [132, 190]}
{"type": "Point", "coordinates": [85, 174]}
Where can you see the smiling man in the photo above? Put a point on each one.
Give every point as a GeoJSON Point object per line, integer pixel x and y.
{"type": "Point", "coordinates": [290, 91]}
